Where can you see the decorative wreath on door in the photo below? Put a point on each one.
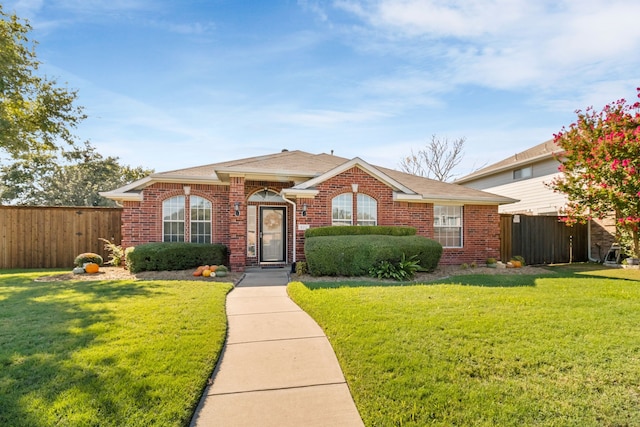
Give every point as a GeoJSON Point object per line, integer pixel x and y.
{"type": "Point", "coordinates": [273, 221]}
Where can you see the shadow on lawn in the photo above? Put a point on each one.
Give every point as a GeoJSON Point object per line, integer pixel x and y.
{"type": "Point", "coordinates": [483, 280]}
{"type": "Point", "coordinates": [582, 271]}
{"type": "Point", "coordinates": [43, 328]}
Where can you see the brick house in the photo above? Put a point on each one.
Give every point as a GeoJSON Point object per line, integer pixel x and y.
{"type": "Point", "coordinates": [259, 207]}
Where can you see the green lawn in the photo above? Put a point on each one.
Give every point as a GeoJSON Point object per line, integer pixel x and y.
{"type": "Point", "coordinates": [107, 353]}
{"type": "Point", "coordinates": [560, 349]}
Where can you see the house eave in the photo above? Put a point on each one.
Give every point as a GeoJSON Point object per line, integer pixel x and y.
{"type": "Point", "coordinates": [123, 197]}
{"type": "Point", "coordinates": [515, 164]}
{"type": "Point", "coordinates": [295, 193]}
{"type": "Point", "coordinates": [456, 200]}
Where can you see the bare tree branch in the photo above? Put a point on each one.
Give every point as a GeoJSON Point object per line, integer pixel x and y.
{"type": "Point", "coordinates": [437, 160]}
{"type": "Point", "coordinates": [412, 164]}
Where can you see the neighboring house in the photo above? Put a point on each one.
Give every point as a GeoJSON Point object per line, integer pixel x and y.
{"type": "Point", "coordinates": [524, 176]}
{"type": "Point", "coordinates": [259, 207]}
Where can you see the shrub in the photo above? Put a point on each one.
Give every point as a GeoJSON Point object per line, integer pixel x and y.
{"type": "Point", "coordinates": [116, 252]}
{"type": "Point", "coordinates": [491, 261]}
{"type": "Point", "coordinates": [301, 268]}
{"type": "Point", "coordinates": [355, 255]}
{"type": "Point", "coordinates": [347, 230]}
{"type": "Point", "coordinates": [404, 270]}
{"type": "Point", "coordinates": [87, 257]}
{"type": "Point", "coordinates": [174, 256]}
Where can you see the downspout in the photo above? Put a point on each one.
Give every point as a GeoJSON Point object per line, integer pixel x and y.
{"type": "Point", "coordinates": [295, 226]}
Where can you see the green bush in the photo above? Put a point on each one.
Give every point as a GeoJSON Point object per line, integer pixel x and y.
{"type": "Point", "coordinates": [86, 257]}
{"type": "Point", "coordinates": [356, 255]}
{"type": "Point", "coordinates": [404, 270]}
{"type": "Point", "coordinates": [301, 268]}
{"type": "Point", "coordinates": [174, 256]}
{"type": "Point", "coordinates": [347, 230]}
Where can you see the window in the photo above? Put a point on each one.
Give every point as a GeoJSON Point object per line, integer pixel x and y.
{"type": "Point", "coordinates": [367, 210]}
{"type": "Point", "coordinates": [523, 173]}
{"type": "Point", "coordinates": [200, 220]}
{"type": "Point", "coordinates": [173, 219]}
{"type": "Point", "coordinates": [251, 231]}
{"type": "Point", "coordinates": [447, 225]}
{"type": "Point", "coordinates": [341, 208]}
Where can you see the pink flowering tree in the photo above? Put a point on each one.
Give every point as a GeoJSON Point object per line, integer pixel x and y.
{"type": "Point", "coordinates": [601, 165]}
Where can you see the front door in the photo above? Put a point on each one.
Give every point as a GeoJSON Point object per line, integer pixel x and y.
{"type": "Point", "coordinates": [272, 234]}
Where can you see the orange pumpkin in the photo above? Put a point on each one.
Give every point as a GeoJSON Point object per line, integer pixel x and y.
{"type": "Point", "coordinates": [91, 268]}
{"type": "Point", "coordinates": [206, 273]}
{"type": "Point", "coordinates": [213, 268]}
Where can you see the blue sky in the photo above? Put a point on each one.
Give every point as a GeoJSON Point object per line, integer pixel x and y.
{"type": "Point", "coordinates": [169, 84]}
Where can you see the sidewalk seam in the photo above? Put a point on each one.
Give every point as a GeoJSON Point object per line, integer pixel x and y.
{"type": "Point", "coordinates": [265, 312]}
{"type": "Point", "coordinates": [278, 388]}
{"type": "Point", "coordinates": [279, 339]}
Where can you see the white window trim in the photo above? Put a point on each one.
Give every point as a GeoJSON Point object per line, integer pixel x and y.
{"type": "Point", "coordinates": [183, 220]}
{"type": "Point", "coordinates": [335, 221]}
{"type": "Point", "coordinates": [461, 226]}
{"type": "Point", "coordinates": [192, 221]}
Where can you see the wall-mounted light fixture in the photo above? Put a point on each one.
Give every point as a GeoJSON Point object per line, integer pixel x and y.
{"type": "Point", "coordinates": [236, 208]}
{"type": "Point", "coordinates": [187, 190]}
{"type": "Point", "coordinates": [354, 188]}
{"type": "Point", "coordinates": [304, 209]}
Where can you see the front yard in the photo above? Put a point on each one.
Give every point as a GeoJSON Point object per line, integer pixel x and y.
{"type": "Point", "coordinates": [556, 349]}
{"type": "Point", "coordinates": [109, 352]}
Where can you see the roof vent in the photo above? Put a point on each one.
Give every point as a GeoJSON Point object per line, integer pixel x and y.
{"type": "Point", "coordinates": [284, 150]}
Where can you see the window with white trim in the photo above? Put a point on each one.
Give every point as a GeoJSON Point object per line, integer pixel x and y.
{"type": "Point", "coordinates": [200, 220]}
{"type": "Point", "coordinates": [367, 210]}
{"type": "Point", "coordinates": [173, 219]}
{"type": "Point", "coordinates": [342, 209]}
{"type": "Point", "coordinates": [523, 173]}
{"type": "Point", "coordinates": [447, 226]}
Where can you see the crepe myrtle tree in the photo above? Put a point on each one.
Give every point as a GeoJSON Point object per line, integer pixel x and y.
{"type": "Point", "coordinates": [601, 167]}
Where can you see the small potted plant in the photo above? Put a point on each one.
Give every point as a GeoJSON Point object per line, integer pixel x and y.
{"type": "Point", "coordinates": [492, 263]}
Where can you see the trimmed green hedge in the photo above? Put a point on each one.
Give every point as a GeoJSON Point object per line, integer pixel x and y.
{"type": "Point", "coordinates": [348, 230]}
{"type": "Point", "coordinates": [174, 256]}
{"type": "Point", "coordinates": [355, 255]}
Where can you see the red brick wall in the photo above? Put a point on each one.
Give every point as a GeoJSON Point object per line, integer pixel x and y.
{"type": "Point", "coordinates": [142, 221]}
{"type": "Point", "coordinates": [481, 236]}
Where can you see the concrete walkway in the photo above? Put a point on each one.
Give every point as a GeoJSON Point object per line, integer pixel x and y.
{"type": "Point", "coordinates": [277, 367]}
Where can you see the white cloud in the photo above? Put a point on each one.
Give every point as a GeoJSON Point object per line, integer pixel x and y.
{"type": "Point", "coordinates": [506, 44]}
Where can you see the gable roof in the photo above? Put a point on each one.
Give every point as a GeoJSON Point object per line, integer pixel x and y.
{"type": "Point", "coordinates": [547, 149]}
{"type": "Point", "coordinates": [307, 170]}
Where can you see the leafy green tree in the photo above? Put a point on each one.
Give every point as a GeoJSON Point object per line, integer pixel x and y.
{"type": "Point", "coordinates": [43, 164]}
{"type": "Point", "coordinates": [72, 178]}
{"type": "Point", "coordinates": [35, 114]}
{"type": "Point", "coordinates": [601, 165]}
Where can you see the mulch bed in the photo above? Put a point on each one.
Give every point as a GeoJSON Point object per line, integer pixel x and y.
{"type": "Point", "coordinates": [119, 273]}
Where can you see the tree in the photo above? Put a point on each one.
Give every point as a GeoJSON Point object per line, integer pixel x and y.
{"type": "Point", "coordinates": [44, 164]}
{"type": "Point", "coordinates": [601, 167]}
{"type": "Point", "coordinates": [35, 114]}
{"type": "Point", "coordinates": [438, 159]}
{"type": "Point", "coordinates": [72, 178]}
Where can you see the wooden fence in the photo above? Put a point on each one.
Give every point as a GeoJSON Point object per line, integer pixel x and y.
{"type": "Point", "coordinates": [542, 239]}
{"type": "Point", "coordinates": [51, 237]}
